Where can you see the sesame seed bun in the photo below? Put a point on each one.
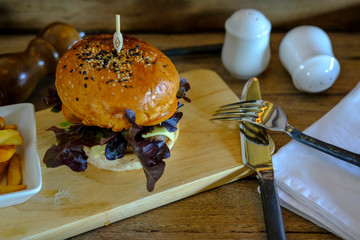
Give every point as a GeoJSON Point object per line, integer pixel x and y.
{"type": "Point", "coordinates": [96, 84]}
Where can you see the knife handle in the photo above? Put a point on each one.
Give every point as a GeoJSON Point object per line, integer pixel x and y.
{"type": "Point", "coordinates": [272, 212]}
{"type": "Point", "coordinates": [328, 148]}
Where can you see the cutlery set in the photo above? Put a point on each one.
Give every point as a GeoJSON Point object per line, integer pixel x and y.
{"type": "Point", "coordinates": [270, 116]}
{"type": "Point", "coordinates": [255, 117]}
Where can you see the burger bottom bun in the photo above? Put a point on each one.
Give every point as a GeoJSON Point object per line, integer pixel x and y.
{"type": "Point", "coordinates": [128, 162]}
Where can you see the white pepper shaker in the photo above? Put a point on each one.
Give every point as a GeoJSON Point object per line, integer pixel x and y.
{"type": "Point", "coordinates": [306, 53]}
{"type": "Point", "coordinates": [246, 49]}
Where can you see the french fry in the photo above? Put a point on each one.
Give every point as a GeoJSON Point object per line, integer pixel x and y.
{"type": "Point", "coordinates": [6, 152]}
{"type": "Point", "coordinates": [2, 123]}
{"type": "Point", "coordinates": [13, 188]}
{"type": "Point", "coordinates": [11, 126]}
{"type": "Point", "coordinates": [10, 137]}
{"type": "Point", "coordinates": [3, 167]}
{"type": "Point", "coordinates": [14, 174]}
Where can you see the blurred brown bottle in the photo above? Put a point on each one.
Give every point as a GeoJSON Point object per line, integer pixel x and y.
{"type": "Point", "coordinates": [21, 72]}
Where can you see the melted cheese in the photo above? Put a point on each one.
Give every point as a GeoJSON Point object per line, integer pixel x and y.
{"type": "Point", "coordinates": [160, 131]}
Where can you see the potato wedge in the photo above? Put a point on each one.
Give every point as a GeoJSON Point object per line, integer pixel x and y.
{"type": "Point", "coordinates": [6, 152]}
{"type": "Point", "coordinates": [14, 174]}
{"type": "Point", "coordinates": [2, 123]}
{"type": "Point", "coordinates": [10, 137]}
{"type": "Point", "coordinates": [3, 167]}
{"type": "Point", "coordinates": [11, 126]}
{"type": "Point", "coordinates": [13, 188]}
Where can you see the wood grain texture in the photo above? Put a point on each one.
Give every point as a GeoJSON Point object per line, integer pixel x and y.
{"type": "Point", "coordinates": [76, 202]}
{"type": "Point", "coordinates": [232, 211]}
{"type": "Point", "coordinates": [172, 16]}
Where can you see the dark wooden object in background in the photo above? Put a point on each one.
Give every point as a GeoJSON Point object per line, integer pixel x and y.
{"type": "Point", "coordinates": [173, 16]}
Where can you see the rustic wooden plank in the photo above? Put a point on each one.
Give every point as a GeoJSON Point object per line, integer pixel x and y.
{"type": "Point", "coordinates": [177, 220]}
{"type": "Point", "coordinates": [173, 16]}
{"type": "Point", "coordinates": [229, 212]}
{"type": "Point", "coordinates": [206, 155]}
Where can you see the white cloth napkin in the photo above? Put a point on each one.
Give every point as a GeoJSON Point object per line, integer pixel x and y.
{"type": "Point", "coordinates": [319, 187]}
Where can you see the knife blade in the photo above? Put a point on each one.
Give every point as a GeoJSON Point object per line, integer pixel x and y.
{"type": "Point", "coordinates": [256, 154]}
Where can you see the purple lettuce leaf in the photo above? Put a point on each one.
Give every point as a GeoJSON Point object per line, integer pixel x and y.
{"type": "Point", "coordinates": [72, 156]}
{"type": "Point", "coordinates": [116, 147]}
{"type": "Point", "coordinates": [183, 88]}
{"type": "Point", "coordinates": [171, 123]}
{"type": "Point", "coordinates": [150, 153]}
{"type": "Point", "coordinates": [69, 150]}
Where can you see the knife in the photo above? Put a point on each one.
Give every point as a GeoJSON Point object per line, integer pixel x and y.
{"type": "Point", "coordinates": [256, 154]}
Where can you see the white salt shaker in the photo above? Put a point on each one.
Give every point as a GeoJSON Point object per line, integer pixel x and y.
{"type": "Point", "coordinates": [306, 53]}
{"type": "Point", "coordinates": [246, 49]}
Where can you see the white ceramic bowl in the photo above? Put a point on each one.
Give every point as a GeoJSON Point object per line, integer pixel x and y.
{"type": "Point", "coordinates": [23, 115]}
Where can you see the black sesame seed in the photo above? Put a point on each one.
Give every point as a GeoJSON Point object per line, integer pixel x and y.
{"type": "Point", "coordinates": [165, 65]}
{"type": "Point", "coordinates": [81, 65]}
{"type": "Point", "coordinates": [85, 85]}
{"type": "Point", "coordinates": [77, 99]}
{"type": "Point", "coordinates": [86, 78]}
{"type": "Point", "coordinates": [74, 48]}
{"type": "Point", "coordinates": [71, 70]}
{"type": "Point", "coordinates": [64, 66]}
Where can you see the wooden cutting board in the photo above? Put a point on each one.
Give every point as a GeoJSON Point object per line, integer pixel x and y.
{"type": "Point", "coordinates": [206, 155]}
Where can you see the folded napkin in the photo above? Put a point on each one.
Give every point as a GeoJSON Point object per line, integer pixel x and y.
{"type": "Point", "coordinates": [319, 187]}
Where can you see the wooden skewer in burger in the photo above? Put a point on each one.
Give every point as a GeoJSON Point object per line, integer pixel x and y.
{"type": "Point", "coordinates": [123, 104]}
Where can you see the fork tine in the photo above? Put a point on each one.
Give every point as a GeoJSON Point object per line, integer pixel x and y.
{"type": "Point", "coordinates": [237, 114]}
{"type": "Point", "coordinates": [255, 103]}
{"type": "Point", "coordinates": [238, 109]}
{"type": "Point", "coordinates": [235, 118]}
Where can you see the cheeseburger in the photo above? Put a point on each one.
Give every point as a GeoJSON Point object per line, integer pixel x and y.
{"type": "Point", "coordinates": [121, 107]}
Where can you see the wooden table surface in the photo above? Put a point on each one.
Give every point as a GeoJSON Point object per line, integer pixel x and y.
{"type": "Point", "coordinates": [232, 211]}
